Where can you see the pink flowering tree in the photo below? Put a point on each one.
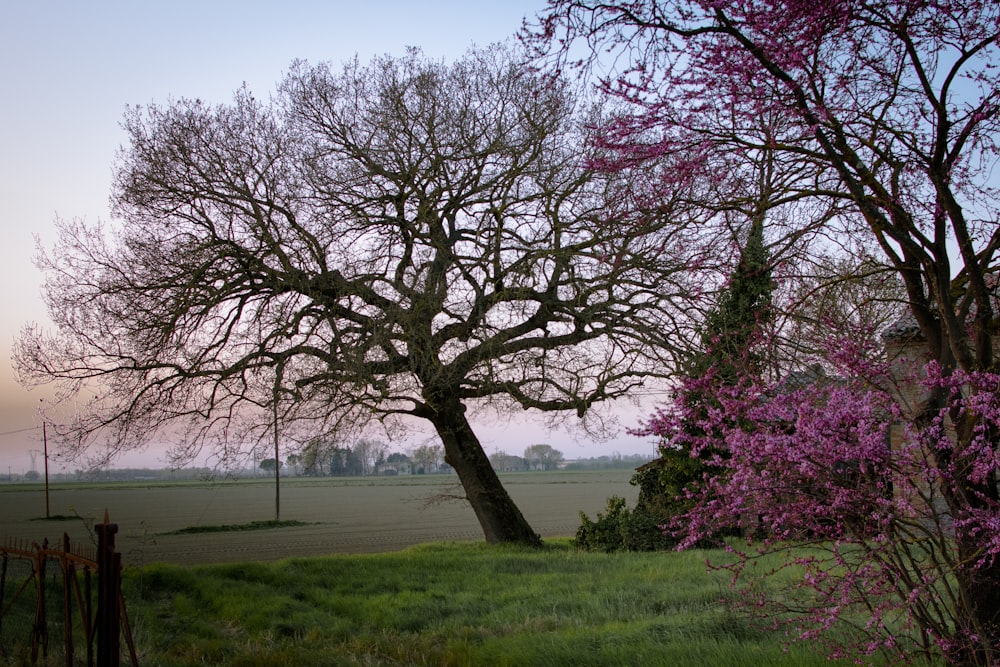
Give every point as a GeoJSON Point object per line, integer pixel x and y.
{"type": "Point", "coordinates": [806, 469]}
{"type": "Point", "coordinates": [882, 118]}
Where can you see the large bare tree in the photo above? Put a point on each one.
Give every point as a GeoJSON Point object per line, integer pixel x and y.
{"type": "Point", "coordinates": [405, 238]}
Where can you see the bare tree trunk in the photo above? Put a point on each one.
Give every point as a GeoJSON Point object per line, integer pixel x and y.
{"type": "Point", "coordinates": [500, 518]}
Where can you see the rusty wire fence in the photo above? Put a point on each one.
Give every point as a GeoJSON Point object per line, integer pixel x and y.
{"type": "Point", "coordinates": [63, 604]}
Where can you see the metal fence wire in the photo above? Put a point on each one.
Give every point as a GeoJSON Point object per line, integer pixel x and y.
{"type": "Point", "coordinates": [18, 606]}
{"type": "Point", "coordinates": [63, 605]}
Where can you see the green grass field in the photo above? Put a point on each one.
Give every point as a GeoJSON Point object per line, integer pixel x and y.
{"type": "Point", "coordinates": [452, 604]}
{"type": "Point", "coordinates": [436, 594]}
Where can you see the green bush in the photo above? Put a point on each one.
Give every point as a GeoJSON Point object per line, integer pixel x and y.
{"type": "Point", "coordinates": [662, 498]}
{"type": "Point", "coordinates": [621, 529]}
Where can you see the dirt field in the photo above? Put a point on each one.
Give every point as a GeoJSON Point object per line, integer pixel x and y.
{"type": "Point", "coordinates": [346, 515]}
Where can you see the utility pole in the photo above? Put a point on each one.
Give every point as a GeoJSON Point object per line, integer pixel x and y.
{"type": "Point", "coordinates": [277, 464]}
{"type": "Point", "coordinates": [45, 444]}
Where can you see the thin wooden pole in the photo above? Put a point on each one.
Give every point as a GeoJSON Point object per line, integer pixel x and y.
{"type": "Point", "coordinates": [45, 442]}
{"type": "Point", "coordinates": [69, 574]}
{"type": "Point", "coordinates": [277, 461]}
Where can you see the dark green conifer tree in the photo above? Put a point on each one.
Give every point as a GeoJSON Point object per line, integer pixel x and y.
{"type": "Point", "coordinates": [730, 333]}
{"type": "Point", "coordinates": [730, 351]}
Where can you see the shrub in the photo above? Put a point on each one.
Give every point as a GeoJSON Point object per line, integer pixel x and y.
{"type": "Point", "coordinates": [621, 529]}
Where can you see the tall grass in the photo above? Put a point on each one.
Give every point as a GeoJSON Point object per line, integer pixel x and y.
{"type": "Point", "coordinates": [450, 604]}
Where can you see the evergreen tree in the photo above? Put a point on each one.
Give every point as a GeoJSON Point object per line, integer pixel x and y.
{"type": "Point", "coordinates": [729, 338]}
{"type": "Point", "coordinates": [730, 330]}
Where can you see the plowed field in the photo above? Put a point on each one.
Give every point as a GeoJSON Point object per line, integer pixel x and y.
{"type": "Point", "coordinates": [344, 515]}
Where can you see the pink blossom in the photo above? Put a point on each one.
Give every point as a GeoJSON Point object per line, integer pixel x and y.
{"type": "Point", "coordinates": [813, 466]}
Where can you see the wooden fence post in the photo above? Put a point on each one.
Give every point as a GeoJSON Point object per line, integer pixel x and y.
{"type": "Point", "coordinates": [69, 573]}
{"type": "Point", "coordinates": [89, 625]}
{"type": "Point", "coordinates": [108, 584]}
{"type": "Point", "coordinates": [109, 622]}
{"type": "Point", "coordinates": [3, 587]}
{"type": "Point", "coordinates": [39, 633]}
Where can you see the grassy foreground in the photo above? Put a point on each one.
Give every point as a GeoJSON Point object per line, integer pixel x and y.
{"type": "Point", "coordinates": [450, 604]}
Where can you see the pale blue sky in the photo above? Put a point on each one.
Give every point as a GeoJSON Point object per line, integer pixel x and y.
{"type": "Point", "coordinates": [69, 69]}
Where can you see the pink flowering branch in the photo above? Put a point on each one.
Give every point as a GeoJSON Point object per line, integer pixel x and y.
{"type": "Point", "coordinates": [879, 122]}
{"type": "Point", "coordinates": [809, 471]}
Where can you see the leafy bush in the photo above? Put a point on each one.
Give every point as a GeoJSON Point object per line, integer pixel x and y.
{"type": "Point", "coordinates": [621, 529]}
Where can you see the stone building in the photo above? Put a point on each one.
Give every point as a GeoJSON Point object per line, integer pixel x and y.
{"type": "Point", "coordinates": [907, 356]}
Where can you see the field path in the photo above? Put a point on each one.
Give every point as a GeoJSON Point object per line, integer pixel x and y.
{"type": "Point", "coordinates": [345, 515]}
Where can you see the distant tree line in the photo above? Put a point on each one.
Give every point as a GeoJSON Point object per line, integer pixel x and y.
{"type": "Point", "coordinates": [321, 458]}
{"type": "Point", "coordinates": [536, 457]}
{"type": "Point", "coordinates": [106, 474]}
{"type": "Point", "coordinates": [545, 457]}
{"type": "Point", "coordinates": [615, 461]}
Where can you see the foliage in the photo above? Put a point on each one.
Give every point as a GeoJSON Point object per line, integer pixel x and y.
{"type": "Point", "coordinates": [732, 331]}
{"type": "Point", "coordinates": [812, 464]}
{"type": "Point", "coordinates": [615, 461]}
{"type": "Point", "coordinates": [662, 483]}
{"type": "Point", "coordinates": [543, 456]}
{"type": "Point", "coordinates": [664, 495]}
{"type": "Point", "coordinates": [731, 337]}
{"type": "Point", "coordinates": [230, 527]}
{"type": "Point", "coordinates": [451, 604]}
{"type": "Point", "coordinates": [345, 462]}
{"type": "Point", "coordinates": [316, 455]}
{"type": "Point", "coordinates": [426, 459]}
{"type": "Point", "coordinates": [269, 464]}
{"type": "Point", "coordinates": [622, 529]}
{"type": "Point", "coordinates": [370, 454]}
{"type": "Point", "coordinates": [880, 121]}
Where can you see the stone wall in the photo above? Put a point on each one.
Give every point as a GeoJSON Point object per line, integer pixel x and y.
{"type": "Point", "coordinates": [906, 353]}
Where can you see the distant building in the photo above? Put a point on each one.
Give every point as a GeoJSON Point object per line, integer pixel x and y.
{"type": "Point", "coordinates": [906, 352]}
{"type": "Point", "coordinates": [395, 464]}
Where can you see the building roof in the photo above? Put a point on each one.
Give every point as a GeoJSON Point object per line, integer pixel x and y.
{"type": "Point", "coordinates": [905, 327]}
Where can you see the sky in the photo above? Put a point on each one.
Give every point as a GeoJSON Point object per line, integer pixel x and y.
{"type": "Point", "coordinates": [70, 69]}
